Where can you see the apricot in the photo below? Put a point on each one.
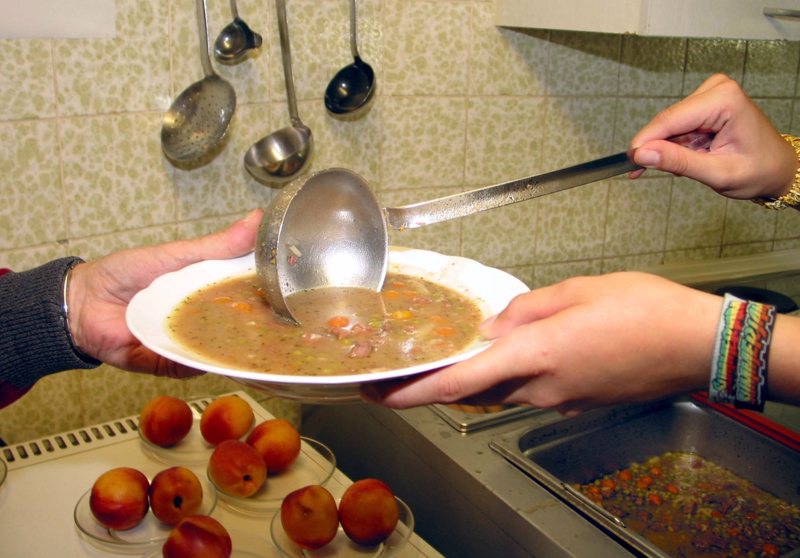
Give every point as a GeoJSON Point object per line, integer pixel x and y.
{"type": "Point", "coordinates": [309, 517]}
{"type": "Point", "coordinates": [165, 421]}
{"type": "Point", "coordinates": [277, 441]}
{"type": "Point", "coordinates": [198, 536]}
{"type": "Point", "coordinates": [237, 468]}
{"type": "Point", "coordinates": [174, 494]}
{"type": "Point", "coordinates": [226, 418]}
{"type": "Point", "coordinates": [119, 498]}
{"type": "Point", "coordinates": [368, 512]}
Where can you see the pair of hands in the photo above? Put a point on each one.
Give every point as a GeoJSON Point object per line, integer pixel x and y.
{"type": "Point", "coordinates": [583, 343]}
{"type": "Point", "coordinates": [595, 341]}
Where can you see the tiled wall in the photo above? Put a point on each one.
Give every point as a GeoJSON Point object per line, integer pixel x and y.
{"type": "Point", "coordinates": [461, 104]}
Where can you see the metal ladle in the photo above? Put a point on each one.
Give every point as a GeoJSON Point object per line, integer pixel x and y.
{"type": "Point", "coordinates": [352, 89]}
{"type": "Point", "coordinates": [236, 40]}
{"type": "Point", "coordinates": [199, 117]}
{"type": "Point", "coordinates": [283, 154]}
{"type": "Point", "coordinates": [329, 230]}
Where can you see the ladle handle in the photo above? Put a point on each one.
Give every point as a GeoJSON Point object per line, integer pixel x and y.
{"type": "Point", "coordinates": [353, 32]}
{"type": "Point", "coordinates": [499, 195]}
{"type": "Point", "coordinates": [286, 57]}
{"type": "Point", "coordinates": [202, 27]}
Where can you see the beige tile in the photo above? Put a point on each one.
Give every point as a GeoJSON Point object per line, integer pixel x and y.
{"type": "Point", "coordinates": [127, 73]}
{"type": "Point", "coordinates": [570, 225]}
{"type": "Point", "coordinates": [748, 222]}
{"type": "Point", "coordinates": [505, 61]}
{"type": "Point", "coordinates": [200, 227]}
{"type": "Point", "coordinates": [771, 68]}
{"type": "Point", "coordinates": [115, 176]}
{"type": "Point", "coordinates": [53, 405]}
{"type": "Point", "coordinates": [789, 244]}
{"type": "Point", "coordinates": [652, 66]}
{"type": "Point", "coordinates": [422, 142]}
{"type": "Point", "coordinates": [426, 47]}
{"type": "Point", "coordinates": [584, 64]}
{"type": "Point", "coordinates": [502, 237]}
{"type": "Point", "coordinates": [746, 249]}
{"type": "Point", "coordinates": [504, 139]}
{"type": "Point", "coordinates": [30, 257]}
{"type": "Point", "coordinates": [696, 216]}
{"type": "Point", "coordinates": [788, 224]}
{"type": "Point", "coordinates": [709, 56]}
{"type": "Point", "coordinates": [444, 238]}
{"type": "Point", "coordinates": [27, 86]}
{"type": "Point", "coordinates": [779, 111]}
{"type": "Point", "coordinates": [578, 129]}
{"type": "Point", "coordinates": [637, 216]}
{"type": "Point", "coordinates": [632, 263]}
{"type": "Point", "coordinates": [632, 114]}
{"type": "Point", "coordinates": [222, 185]}
{"type": "Point", "coordinates": [549, 274]}
{"type": "Point", "coordinates": [94, 247]}
{"type": "Point", "coordinates": [32, 211]}
{"type": "Point", "coordinates": [692, 254]}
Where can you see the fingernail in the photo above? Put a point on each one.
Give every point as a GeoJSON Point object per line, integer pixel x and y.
{"type": "Point", "coordinates": [487, 324]}
{"type": "Point", "coordinates": [648, 157]}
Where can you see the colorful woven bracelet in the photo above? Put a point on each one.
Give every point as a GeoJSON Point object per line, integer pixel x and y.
{"type": "Point", "coordinates": [739, 366]}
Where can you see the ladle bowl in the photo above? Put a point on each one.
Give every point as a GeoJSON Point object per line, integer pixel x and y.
{"type": "Point", "coordinates": [235, 42]}
{"type": "Point", "coordinates": [351, 91]}
{"type": "Point", "coordinates": [199, 117]}
{"type": "Point", "coordinates": [329, 230]}
{"type": "Point", "coordinates": [283, 154]}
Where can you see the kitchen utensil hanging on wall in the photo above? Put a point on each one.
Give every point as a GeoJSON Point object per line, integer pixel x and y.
{"type": "Point", "coordinates": [351, 91]}
{"type": "Point", "coordinates": [236, 41]}
{"type": "Point", "coordinates": [199, 117]}
{"type": "Point", "coordinates": [283, 154]}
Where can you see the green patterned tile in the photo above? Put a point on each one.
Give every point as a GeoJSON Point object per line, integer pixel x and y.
{"type": "Point", "coordinates": [746, 249]}
{"type": "Point", "coordinates": [748, 222]}
{"type": "Point", "coordinates": [422, 142]}
{"type": "Point", "coordinates": [637, 216]}
{"type": "Point", "coordinates": [505, 61]}
{"type": "Point", "coordinates": [709, 56]}
{"type": "Point", "coordinates": [652, 66]}
{"type": "Point", "coordinates": [570, 225]}
{"type": "Point", "coordinates": [583, 64]}
{"type": "Point", "coordinates": [32, 211]}
{"type": "Point", "coordinates": [127, 73]}
{"type": "Point", "coordinates": [94, 247]}
{"type": "Point", "coordinates": [578, 129]}
{"type": "Point", "coordinates": [632, 263]}
{"type": "Point", "coordinates": [444, 238]}
{"type": "Point", "coordinates": [771, 68]}
{"type": "Point", "coordinates": [550, 274]}
{"type": "Point", "coordinates": [504, 139]}
{"type": "Point", "coordinates": [696, 217]}
{"type": "Point", "coordinates": [502, 237]}
{"type": "Point", "coordinates": [30, 257]}
{"type": "Point", "coordinates": [115, 176]}
{"type": "Point", "coordinates": [426, 47]}
{"type": "Point", "coordinates": [27, 86]}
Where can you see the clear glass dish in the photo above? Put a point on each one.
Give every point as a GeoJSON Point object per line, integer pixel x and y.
{"type": "Point", "coordinates": [192, 450]}
{"type": "Point", "coordinates": [149, 534]}
{"type": "Point", "coordinates": [315, 465]}
{"type": "Point", "coordinates": [245, 545]}
{"type": "Point", "coordinates": [341, 546]}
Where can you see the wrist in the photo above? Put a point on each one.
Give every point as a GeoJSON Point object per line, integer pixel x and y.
{"type": "Point", "coordinates": [789, 195]}
{"type": "Point", "coordinates": [71, 306]}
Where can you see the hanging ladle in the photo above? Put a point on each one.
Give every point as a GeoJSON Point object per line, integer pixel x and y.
{"type": "Point", "coordinates": [199, 117]}
{"type": "Point", "coordinates": [283, 154]}
{"type": "Point", "coordinates": [352, 89]}
{"type": "Point", "coordinates": [236, 40]}
{"type": "Point", "coordinates": [329, 230]}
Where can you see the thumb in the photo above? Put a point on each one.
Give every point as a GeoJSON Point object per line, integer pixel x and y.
{"type": "Point", "coordinates": [669, 157]}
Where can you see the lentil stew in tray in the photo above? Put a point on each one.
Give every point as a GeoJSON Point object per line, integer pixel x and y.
{"type": "Point", "coordinates": [691, 507]}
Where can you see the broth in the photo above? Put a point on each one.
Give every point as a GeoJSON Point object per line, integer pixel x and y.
{"type": "Point", "coordinates": [345, 330]}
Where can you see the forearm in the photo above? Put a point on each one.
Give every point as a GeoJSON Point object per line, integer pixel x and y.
{"type": "Point", "coordinates": [783, 381]}
{"type": "Point", "coordinates": [33, 337]}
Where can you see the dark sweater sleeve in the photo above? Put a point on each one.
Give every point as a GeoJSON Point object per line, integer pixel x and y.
{"type": "Point", "coordinates": [33, 332]}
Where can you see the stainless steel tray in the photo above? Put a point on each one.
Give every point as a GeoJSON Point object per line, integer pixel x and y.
{"type": "Point", "coordinates": [466, 422]}
{"type": "Point", "coordinates": [580, 449]}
